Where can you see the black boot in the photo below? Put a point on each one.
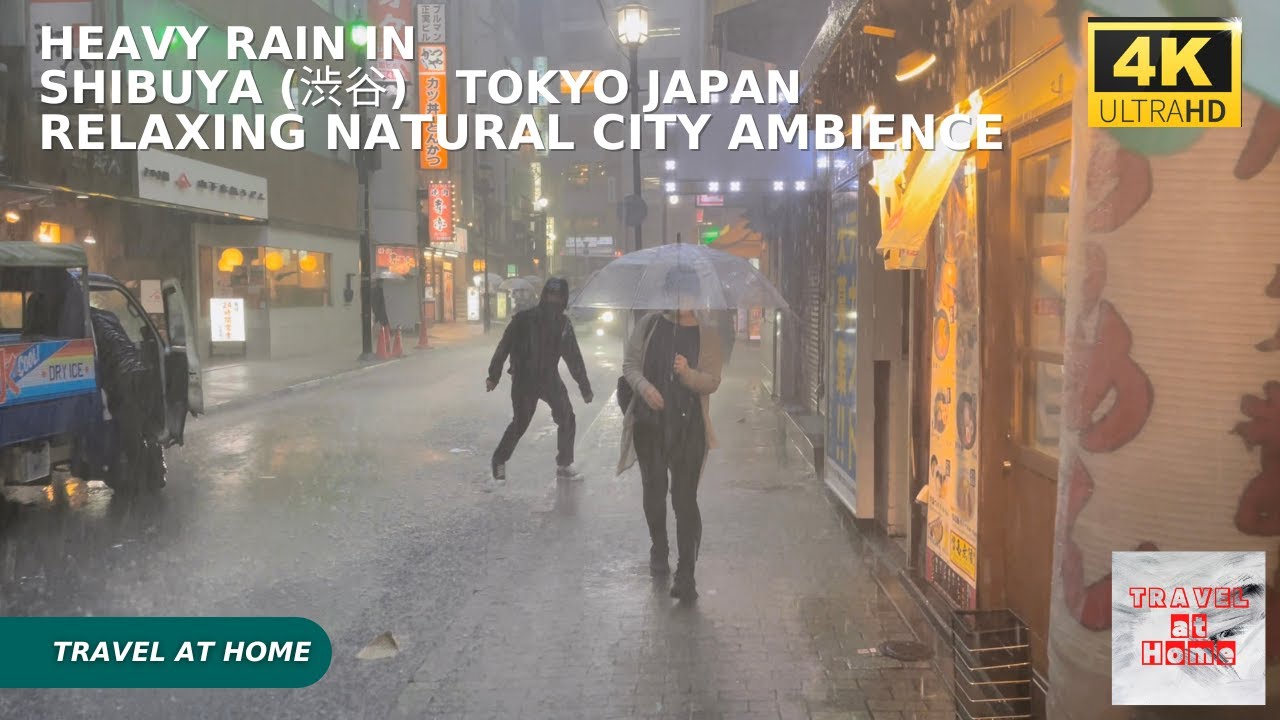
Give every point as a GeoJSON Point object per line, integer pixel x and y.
{"type": "Point", "coordinates": [684, 588]}
{"type": "Point", "coordinates": [659, 565]}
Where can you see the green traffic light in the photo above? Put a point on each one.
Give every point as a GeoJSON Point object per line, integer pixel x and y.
{"type": "Point", "coordinates": [361, 34]}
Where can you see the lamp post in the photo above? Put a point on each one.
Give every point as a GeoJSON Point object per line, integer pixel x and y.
{"type": "Point", "coordinates": [633, 31]}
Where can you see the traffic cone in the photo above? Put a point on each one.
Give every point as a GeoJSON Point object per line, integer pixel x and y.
{"type": "Point", "coordinates": [397, 348]}
{"type": "Point", "coordinates": [383, 338]}
{"type": "Point", "coordinates": [422, 336]}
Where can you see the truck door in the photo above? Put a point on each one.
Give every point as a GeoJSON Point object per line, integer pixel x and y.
{"type": "Point", "coordinates": [184, 388]}
{"type": "Point", "coordinates": [141, 354]}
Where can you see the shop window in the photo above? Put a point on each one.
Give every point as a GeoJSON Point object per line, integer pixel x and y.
{"type": "Point", "coordinates": [1043, 194]}
{"type": "Point", "coordinates": [296, 278]}
{"type": "Point", "coordinates": [579, 175]}
{"type": "Point", "coordinates": [53, 233]}
{"type": "Point", "coordinates": [232, 273]}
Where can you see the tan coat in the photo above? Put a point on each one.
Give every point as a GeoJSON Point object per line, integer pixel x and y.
{"type": "Point", "coordinates": [704, 380]}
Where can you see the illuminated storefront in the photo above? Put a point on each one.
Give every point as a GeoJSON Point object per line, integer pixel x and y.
{"type": "Point", "coordinates": [944, 410]}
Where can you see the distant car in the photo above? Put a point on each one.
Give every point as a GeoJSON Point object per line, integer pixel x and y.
{"type": "Point", "coordinates": [593, 321]}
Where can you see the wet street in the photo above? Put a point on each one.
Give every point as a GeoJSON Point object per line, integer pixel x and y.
{"type": "Point", "coordinates": [365, 504]}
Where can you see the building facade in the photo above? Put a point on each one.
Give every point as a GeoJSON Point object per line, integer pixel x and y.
{"type": "Point", "coordinates": [947, 327]}
{"type": "Point", "coordinates": [263, 242]}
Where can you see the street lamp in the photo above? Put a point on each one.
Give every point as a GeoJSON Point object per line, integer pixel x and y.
{"type": "Point", "coordinates": [633, 31]}
{"type": "Point", "coordinates": [542, 203]}
{"type": "Point", "coordinates": [633, 24]}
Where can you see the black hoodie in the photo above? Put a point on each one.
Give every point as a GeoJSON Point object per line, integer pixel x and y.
{"type": "Point", "coordinates": [536, 340]}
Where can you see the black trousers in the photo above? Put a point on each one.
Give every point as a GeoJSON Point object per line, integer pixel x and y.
{"type": "Point", "coordinates": [524, 401]}
{"type": "Point", "coordinates": [672, 458]}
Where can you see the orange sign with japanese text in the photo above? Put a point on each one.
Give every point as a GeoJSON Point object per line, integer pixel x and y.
{"type": "Point", "coordinates": [433, 99]}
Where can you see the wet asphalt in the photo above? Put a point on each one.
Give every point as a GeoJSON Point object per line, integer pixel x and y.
{"type": "Point", "coordinates": [363, 504]}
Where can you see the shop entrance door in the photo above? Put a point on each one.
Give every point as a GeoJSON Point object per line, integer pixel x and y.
{"type": "Point", "coordinates": [447, 293]}
{"type": "Point", "coordinates": [1039, 172]}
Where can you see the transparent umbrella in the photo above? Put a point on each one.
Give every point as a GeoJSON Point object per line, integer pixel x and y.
{"type": "Point", "coordinates": [516, 285]}
{"type": "Point", "coordinates": [671, 276]}
{"type": "Point", "coordinates": [494, 281]}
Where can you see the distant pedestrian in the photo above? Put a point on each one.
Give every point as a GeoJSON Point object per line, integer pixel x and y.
{"type": "Point", "coordinates": [672, 362]}
{"type": "Point", "coordinates": [379, 301]}
{"type": "Point", "coordinates": [536, 340]}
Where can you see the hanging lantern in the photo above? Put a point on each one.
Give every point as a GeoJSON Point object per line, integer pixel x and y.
{"type": "Point", "coordinates": [232, 257]}
{"type": "Point", "coordinates": [224, 267]}
{"type": "Point", "coordinates": [308, 263]}
{"type": "Point", "coordinates": [273, 261]}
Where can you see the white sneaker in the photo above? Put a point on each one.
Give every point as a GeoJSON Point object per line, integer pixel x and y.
{"type": "Point", "coordinates": [567, 472]}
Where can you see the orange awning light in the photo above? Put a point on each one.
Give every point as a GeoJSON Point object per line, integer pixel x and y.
{"type": "Point", "coordinates": [914, 64]}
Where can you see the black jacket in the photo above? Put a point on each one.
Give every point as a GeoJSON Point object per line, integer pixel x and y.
{"type": "Point", "coordinates": [532, 360]}
{"type": "Point", "coordinates": [122, 369]}
{"type": "Point", "coordinates": [378, 300]}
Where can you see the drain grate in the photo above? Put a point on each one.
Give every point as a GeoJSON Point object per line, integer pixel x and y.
{"type": "Point", "coordinates": [906, 650]}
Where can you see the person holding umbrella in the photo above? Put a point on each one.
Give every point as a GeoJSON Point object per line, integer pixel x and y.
{"type": "Point", "coordinates": [672, 363]}
{"type": "Point", "coordinates": [671, 367]}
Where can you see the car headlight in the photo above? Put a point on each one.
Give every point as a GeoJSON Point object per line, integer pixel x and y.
{"type": "Point", "coordinates": [607, 316]}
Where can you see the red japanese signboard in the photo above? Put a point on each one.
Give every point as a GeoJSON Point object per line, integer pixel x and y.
{"type": "Point", "coordinates": [440, 212]}
{"type": "Point", "coordinates": [392, 16]}
{"type": "Point", "coordinates": [433, 99]}
{"type": "Point", "coordinates": [400, 260]}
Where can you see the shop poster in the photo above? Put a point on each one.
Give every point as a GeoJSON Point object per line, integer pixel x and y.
{"type": "Point", "coordinates": [842, 414]}
{"type": "Point", "coordinates": [953, 438]}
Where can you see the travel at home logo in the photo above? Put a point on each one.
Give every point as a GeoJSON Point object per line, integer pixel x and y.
{"type": "Point", "coordinates": [1188, 628]}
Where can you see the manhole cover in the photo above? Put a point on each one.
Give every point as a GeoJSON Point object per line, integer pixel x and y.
{"type": "Point", "coordinates": [905, 650]}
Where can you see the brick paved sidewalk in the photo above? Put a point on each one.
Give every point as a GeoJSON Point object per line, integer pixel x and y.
{"type": "Point", "coordinates": [568, 623]}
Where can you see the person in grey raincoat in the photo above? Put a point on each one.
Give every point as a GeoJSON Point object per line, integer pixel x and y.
{"type": "Point", "coordinates": [673, 362]}
{"type": "Point", "coordinates": [535, 341]}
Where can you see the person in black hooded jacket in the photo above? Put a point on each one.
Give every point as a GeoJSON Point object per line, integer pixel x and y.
{"type": "Point", "coordinates": [535, 341]}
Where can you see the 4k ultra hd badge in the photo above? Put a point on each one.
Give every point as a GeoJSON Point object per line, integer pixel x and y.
{"type": "Point", "coordinates": [1188, 628]}
{"type": "Point", "coordinates": [1167, 72]}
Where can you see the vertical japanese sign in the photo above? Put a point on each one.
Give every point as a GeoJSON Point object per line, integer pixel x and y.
{"type": "Point", "coordinates": [440, 212]}
{"type": "Point", "coordinates": [433, 99]}
{"type": "Point", "coordinates": [430, 21]}
{"type": "Point", "coordinates": [391, 16]}
{"type": "Point", "coordinates": [953, 434]}
{"type": "Point", "coordinates": [56, 14]}
{"type": "Point", "coordinates": [433, 81]}
{"type": "Point", "coordinates": [842, 410]}
{"type": "Point", "coordinates": [226, 320]}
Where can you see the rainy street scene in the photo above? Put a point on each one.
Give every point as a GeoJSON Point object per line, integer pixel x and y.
{"type": "Point", "coordinates": [679, 359]}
